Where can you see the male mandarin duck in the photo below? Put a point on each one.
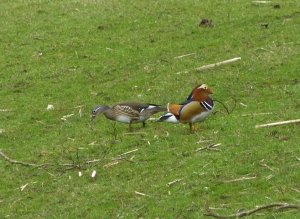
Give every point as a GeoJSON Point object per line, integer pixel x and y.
{"type": "Point", "coordinates": [196, 108]}
{"type": "Point", "coordinates": [128, 112]}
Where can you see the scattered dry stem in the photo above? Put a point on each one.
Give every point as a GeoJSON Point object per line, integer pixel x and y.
{"type": "Point", "coordinates": [19, 162]}
{"type": "Point", "coordinates": [204, 67]}
{"type": "Point", "coordinates": [241, 179]}
{"type": "Point", "coordinates": [67, 166]}
{"type": "Point", "coordinates": [139, 193]}
{"type": "Point", "coordinates": [209, 147]}
{"type": "Point", "coordinates": [173, 182]}
{"type": "Point", "coordinates": [128, 152]}
{"type": "Point", "coordinates": [185, 55]}
{"type": "Point", "coordinates": [244, 213]}
{"type": "Point", "coordinates": [294, 121]}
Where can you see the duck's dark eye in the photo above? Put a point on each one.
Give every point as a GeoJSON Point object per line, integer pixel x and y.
{"type": "Point", "coordinates": [94, 111]}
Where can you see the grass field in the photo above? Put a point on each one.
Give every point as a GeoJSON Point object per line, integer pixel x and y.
{"type": "Point", "coordinates": [80, 53]}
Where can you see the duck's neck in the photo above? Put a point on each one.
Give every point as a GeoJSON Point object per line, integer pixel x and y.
{"type": "Point", "coordinates": [109, 113]}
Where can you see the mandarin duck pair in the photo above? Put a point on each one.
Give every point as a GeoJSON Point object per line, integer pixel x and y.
{"type": "Point", "coordinates": [197, 107]}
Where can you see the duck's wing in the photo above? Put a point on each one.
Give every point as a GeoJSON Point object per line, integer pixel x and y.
{"type": "Point", "coordinates": [141, 107]}
{"type": "Point", "coordinates": [126, 110]}
{"type": "Point", "coordinates": [189, 110]}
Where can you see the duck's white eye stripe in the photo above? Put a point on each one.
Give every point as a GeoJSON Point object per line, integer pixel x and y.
{"type": "Point", "coordinates": [99, 107]}
{"type": "Point", "coordinates": [203, 86]}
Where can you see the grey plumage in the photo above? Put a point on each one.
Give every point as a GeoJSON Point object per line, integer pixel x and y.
{"type": "Point", "coordinates": [130, 112]}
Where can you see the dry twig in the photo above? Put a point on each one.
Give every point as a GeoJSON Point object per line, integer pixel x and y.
{"type": "Point", "coordinates": [261, 163]}
{"type": "Point", "coordinates": [5, 110]}
{"type": "Point", "coordinates": [139, 193]}
{"type": "Point", "coordinates": [279, 123]}
{"type": "Point", "coordinates": [225, 107]}
{"type": "Point", "coordinates": [67, 166]}
{"type": "Point", "coordinates": [111, 164]}
{"type": "Point", "coordinates": [19, 162]}
{"type": "Point", "coordinates": [204, 67]}
{"type": "Point", "coordinates": [256, 114]}
{"type": "Point", "coordinates": [135, 133]}
{"type": "Point", "coordinates": [185, 55]}
{"type": "Point", "coordinates": [296, 190]}
{"type": "Point", "coordinates": [92, 161]}
{"type": "Point", "coordinates": [128, 152]}
{"type": "Point", "coordinates": [174, 181]}
{"type": "Point", "coordinates": [241, 179]}
{"type": "Point", "coordinates": [261, 2]}
{"type": "Point", "coordinates": [276, 206]}
{"type": "Point", "coordinates": [209, 147]}
{"type": "Point", "coordinates": [64, 118]}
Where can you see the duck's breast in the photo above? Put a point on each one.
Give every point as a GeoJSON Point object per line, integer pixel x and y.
{"type": "Point", "coordinates": [123, 118]}
{"type": "Point", "coordinates": [200, 117]}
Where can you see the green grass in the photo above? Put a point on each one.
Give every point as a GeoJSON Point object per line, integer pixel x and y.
{"type": "Point", "coordinates": [89, 52]}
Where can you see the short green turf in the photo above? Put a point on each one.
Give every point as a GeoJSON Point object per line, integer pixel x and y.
{"type": "Point", "coordinates": [81, 53]}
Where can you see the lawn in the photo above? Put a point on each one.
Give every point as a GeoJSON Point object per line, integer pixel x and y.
{"type": "Point", "coordinates": [78, 54]}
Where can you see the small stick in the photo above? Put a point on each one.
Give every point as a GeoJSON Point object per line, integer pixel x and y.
{"type": "Point", "coordinates": [80, 112]}
{"type": "Point", "coordinates": [135, 133]}
{"type": "Point", "coordinates": [210, 146]}
{"type": "Point", "coordinates": [269, 177]}
{"type": "Point", "coordinates": [242, 104]}
{"type": "Point", "coordinates": [66, 116]}
{"type": "Point", "coordinates": [118, 158]}
{"type": "Point", "coordinates": [278, 123]}
{"type": "Point", "coordinates": [139, 193]}
{"type": "Point", "coordinates": [23, 187]}
{"type": "Point", "coordinates": [5, 110]}
{"type": "Point", "coordinates": [296, 190]}
{"type": "Point", "coordinates": [261, 2]}
{"type": "Point", "coordinates": [202, 141]}
{"type": "Point", "coordinates": [111, 164]}
{"type": "Point", "coordinates": [174, 181]}
{"type": "Point", "coordinates": [277, 206]}
{"type": "Point", "coordinates": [225, 107]}
{"type": "Point", "coordinates": [241, 179]}
{"type": "Point", "coordinates": [256, 114]}
{"type": "Point", "coordinates": [128, 152]}
{"type": "Point", "coordinates": [297, 158]}
{"type": "Point", "coordinates": [267, 166]}
{"type": "Point", "coordinates": [182, 56]}
{"type": "Point", "coordinates": [67, 165]}
{"type": "Point", "coordinates": [92, 161]}
{"type": "Point", "coordinates": [204, 67]}
{"type": "Point", "coordinates": [17, 162]}
{"type": "Point", "coordinates": [76, 107]}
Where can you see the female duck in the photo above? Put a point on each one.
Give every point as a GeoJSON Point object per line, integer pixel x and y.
{"type": "Point", "coordinates": [128, 112]}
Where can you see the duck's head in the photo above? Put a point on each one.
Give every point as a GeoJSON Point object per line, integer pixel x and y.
{"type": "Point", "coordinates": [200, 92]}
{"type": "Point", "coordinates": [97, 110]}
